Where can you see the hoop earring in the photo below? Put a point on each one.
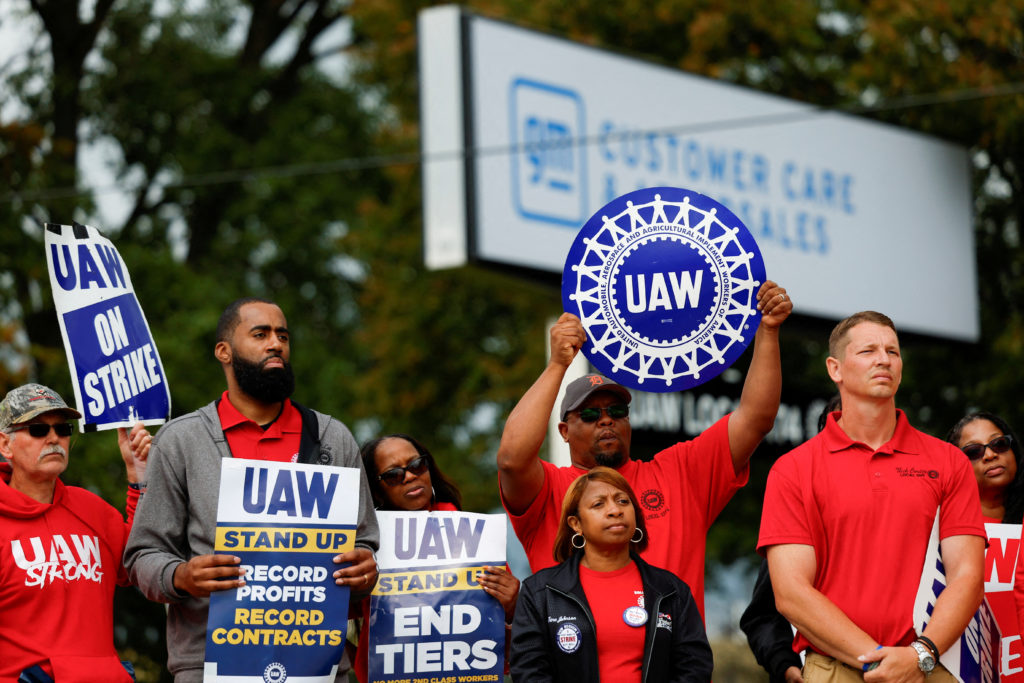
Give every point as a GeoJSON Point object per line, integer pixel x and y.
{"type": "Point", "coordinates": [572, 541]}
{"type": "Point", "coordinates": [635, 539]}
{"type": "Point", "coordinates": [433, 494]}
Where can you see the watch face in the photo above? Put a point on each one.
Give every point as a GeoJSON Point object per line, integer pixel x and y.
{"type": "Point", "coordinates": [925, 661]}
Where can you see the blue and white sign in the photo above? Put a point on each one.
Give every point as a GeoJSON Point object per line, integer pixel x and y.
{"type": "Point", "coordinates": [288, 622]}
{"type": "Point", "coordinates": [118, 377]}
{"type": "Point", "coordinates": [974, 657]}
{"type": "Point", "coordinates": [526, 134]}
{"type": "Point", "coordinates": [665, 282]}
{"type": "Point", "coordinates": [429, 618]}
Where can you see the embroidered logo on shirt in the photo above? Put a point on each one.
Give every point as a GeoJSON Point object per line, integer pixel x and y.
{"type": "Point", "coordinates": [67, 560]}
{"type": "Point", "coordinates": [917, 473]}
{"type": "Point", "coordinates": [652, 499]}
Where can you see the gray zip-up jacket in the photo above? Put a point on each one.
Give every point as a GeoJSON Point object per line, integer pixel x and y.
{"type": "Point", "coordinates": [177, 518]}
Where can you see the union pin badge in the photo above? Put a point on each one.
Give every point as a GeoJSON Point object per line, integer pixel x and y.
{"type": "Point", "coordinates": [665, 282]}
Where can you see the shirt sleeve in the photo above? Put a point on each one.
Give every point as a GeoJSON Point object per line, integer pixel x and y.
{"type": "Point", "coordinates": [703, 466]}
{"type": "Point", "coordinates": [784, 517]}
{"type": "Point", "coordinates": [960, 508]}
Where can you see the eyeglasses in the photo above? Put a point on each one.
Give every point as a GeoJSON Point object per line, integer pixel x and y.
{"type": "Point", "coordinates": [41, 429]}
{"type": "Point", "coordinates": [396, 475]}
{"type": "Point", "coordinates": [615, 412]}
{"type": "Point", "coordinates": [1000, 444]}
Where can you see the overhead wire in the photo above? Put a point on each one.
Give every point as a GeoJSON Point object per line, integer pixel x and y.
{"type": "Point", "coordinates": [805, 112]}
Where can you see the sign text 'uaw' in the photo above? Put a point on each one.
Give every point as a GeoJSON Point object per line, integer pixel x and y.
{"type": "Point", "coordinates": [118, 377]}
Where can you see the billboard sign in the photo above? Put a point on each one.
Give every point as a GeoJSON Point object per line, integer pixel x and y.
{"type": "Point", "coordinates": [526, 135]}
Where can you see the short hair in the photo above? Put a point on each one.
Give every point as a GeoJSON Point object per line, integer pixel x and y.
{"type": "Point", "coordinates": [1013, 497]}
{"type": "Point", "coordinates": [445, 490]}
{"type": "Point", "coordinates": [838, 339]}
{"type": "Point", "coordinates": [231, 316]}
{"type": "Point", "coordinates": [571, 503]}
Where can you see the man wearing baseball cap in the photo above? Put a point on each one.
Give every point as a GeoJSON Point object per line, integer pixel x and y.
{"type": "Point", "coordinates": [681, 490]}
{"type": "Point", "coordinates": [60, 546]}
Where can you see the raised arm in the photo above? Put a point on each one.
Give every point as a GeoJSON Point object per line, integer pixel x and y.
{"type": "Point", "coordinates": [762, 389]}
{"type": "Point", "coordinates": [520, 474]}
{"type": "Point", "coordinates": [792, 568]}
{"type": "Point", "coordinates": [134, 446]}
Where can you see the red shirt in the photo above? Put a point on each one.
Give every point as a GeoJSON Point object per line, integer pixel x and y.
{"type": "Point", "coordinates": [869, 515]}
{"type": "Point", "coordinates": [620, 647]}
{"type": "Point", "coordinates": [681, 492]}
{"type": "Point", "coordinates": [246, 439]}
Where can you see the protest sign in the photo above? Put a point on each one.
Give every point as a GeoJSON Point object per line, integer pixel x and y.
{"type": "Point", "coordinates": [1000, 570]}
{"type": "Point", "coordinates": [665, 282]}
{"type": "Point", "coordinates": [115, 366]}
{"type": "Point", "coordinates": [974, 657]}
{"type": "Point", "coordinates": [286, 522]}
{"type": "Point", "coordinates": [429, 618]}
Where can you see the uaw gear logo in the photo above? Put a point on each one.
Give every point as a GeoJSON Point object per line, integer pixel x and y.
{"type": "Point", "coordinates": [76, 558]}
{"type": "Point", "coordinates": [275, 673]}
{"type": "Point", "coordinates": [665, 282]}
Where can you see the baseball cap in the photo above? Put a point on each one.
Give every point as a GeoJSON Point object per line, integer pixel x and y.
{"type": "Point", "coordinates": [30, 401]}
{"type": "Point", "coordinates": [579, 389]}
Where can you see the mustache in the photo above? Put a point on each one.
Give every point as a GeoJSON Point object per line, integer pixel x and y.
{"type": "Point", "coordinates": [53, 448]}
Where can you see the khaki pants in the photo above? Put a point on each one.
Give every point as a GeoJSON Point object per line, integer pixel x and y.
{"type": "Point", "coordinates": [822, 669]}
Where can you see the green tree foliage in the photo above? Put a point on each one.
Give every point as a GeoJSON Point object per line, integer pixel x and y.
{"type": "Point", "coordinates": [253, 168]}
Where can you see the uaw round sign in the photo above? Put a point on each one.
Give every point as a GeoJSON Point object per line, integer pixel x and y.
{"type": "Point", "coordinates": [665, 282]}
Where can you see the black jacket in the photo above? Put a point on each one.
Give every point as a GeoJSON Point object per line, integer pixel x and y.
{"type": "Point", "coordinates": [769, 634]}
{"type": "Point", "coordinates": [675, 643]}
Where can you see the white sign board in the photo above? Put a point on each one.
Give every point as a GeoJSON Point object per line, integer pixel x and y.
{"type": "Point", "coordinates": [526, 135]}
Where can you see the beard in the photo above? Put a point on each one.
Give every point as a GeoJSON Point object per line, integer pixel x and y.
{"type": "Point", "coordinates": [266, 386]}
{"type": "Point", "coordinates": [611, 459]}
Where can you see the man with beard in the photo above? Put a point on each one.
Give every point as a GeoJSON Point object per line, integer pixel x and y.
{"type": "Point", "coordinates": [681, 490]}
{"type": "Point", "coordinates": [169, 554]}
{"type": "Point", "coordinates": [60, 546]}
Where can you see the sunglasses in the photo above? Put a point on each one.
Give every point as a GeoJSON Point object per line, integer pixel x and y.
{"type": "Point", "coordinates": [396, 475]}
{"type": "Point", "coordinates": [41, 429]}
{"type": "Point", "coordinates": [1000, 444]}
{"type": "Point", "coordinates": [615, 412]}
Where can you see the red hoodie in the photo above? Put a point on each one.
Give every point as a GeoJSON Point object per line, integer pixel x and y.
{"type": "Point", "coordinates": [59, 564]}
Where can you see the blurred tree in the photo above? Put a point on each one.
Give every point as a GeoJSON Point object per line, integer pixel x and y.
{"type": "Point", "coordinates": [255, 164]}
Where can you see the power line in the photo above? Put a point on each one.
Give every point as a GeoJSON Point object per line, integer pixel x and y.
{"type": "Point", "coordinates": [807, 112]}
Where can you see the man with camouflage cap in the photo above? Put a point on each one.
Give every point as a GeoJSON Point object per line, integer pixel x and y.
{"type": "Point", "coordinates": [60, 546]}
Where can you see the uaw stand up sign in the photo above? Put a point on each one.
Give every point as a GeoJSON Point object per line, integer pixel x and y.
{"type": "Point", "coordinates": [665, 282]}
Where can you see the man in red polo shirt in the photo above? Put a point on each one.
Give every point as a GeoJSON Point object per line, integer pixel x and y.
{"type": "Point", "coordinates": [170, 551]}
{"type": "Point", "coordinates": [847, 518]}
{"type": "Point", "coordinates": [681, 490]}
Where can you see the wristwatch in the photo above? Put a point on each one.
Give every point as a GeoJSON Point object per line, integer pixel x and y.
{"type": "Point", "coordinates": [925, 660]}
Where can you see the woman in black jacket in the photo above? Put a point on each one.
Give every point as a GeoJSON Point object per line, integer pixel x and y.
{"type": "Point", "coordinates": [603, 613]}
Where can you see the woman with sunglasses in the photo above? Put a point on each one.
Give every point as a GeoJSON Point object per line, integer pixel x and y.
{"type": "Point", "coordinates": [404, 476]}
{"type": "Point", "coordinates": [603, 613]}
{"type": "Point", "coordinates": [994, 451]}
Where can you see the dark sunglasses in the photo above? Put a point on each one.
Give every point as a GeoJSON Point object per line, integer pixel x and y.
{"type": "Point", "coordinates": [41, 429]}
{"type": "Point", "coordinates": [1000, 444]}
{"type": "Point", "coordinates": [396, 475]}
{"type": "Point", "coordinates": [615, 412]}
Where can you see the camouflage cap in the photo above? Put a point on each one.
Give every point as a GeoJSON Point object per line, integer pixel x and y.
{"type": "Point", "coordinates": [30, 401]}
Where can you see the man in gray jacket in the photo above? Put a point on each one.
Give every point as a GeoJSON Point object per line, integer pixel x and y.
{"type": "Point", "coordinates": [170, 550]}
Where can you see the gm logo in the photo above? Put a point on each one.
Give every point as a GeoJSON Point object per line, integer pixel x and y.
{"type": "Point", "coordinates": [549, 157]}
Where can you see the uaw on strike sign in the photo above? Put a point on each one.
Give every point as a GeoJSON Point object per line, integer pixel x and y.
{"type": "Point", "coordinates": [115, 367]}
{"type": "Point", "coordinates": [989, 650]}
{"type": "Point", "coordinates": [665, 283]}
{"type": "Point", "coordinates": [429, 620]}
{"type": "Point", "coordinates": [287, 522]}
